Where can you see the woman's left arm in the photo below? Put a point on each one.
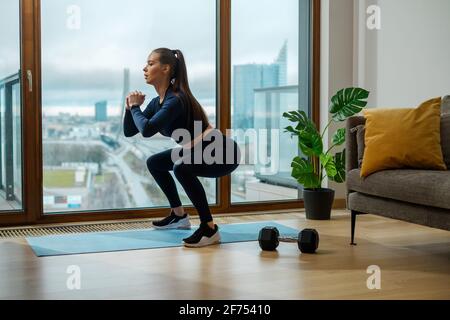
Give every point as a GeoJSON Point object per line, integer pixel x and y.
{"type": "Point", "coordinates": [169, 111]}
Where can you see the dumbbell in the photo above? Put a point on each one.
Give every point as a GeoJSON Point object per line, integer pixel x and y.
{"type": "Point", "coordinates": [307, 241]}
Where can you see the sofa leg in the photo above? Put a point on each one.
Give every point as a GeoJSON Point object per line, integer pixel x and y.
{"type": "Point", "coordinates": [354, 213]}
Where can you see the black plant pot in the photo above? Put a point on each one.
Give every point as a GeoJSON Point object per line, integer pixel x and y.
{"type": "Point", "coordinates": [318, 203]}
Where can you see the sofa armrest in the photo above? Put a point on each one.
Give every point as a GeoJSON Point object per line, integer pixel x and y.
{"type": "Point", "coordinates": [351, 146]}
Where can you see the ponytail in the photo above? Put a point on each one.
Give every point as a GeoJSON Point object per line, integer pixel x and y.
{"type": "Point", "coordinates": [180, 86]}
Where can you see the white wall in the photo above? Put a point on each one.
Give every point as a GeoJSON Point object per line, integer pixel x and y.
{"type": "Point", "coordinates": [407, 61]}
{"type": "Point", "coordinates": [336, 65]}
{"type": "Point", "coordinates": [403, 64]}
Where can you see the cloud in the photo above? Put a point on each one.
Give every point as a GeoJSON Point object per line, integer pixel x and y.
{"type": "Point", "coordinates": [86, 64]}
{"type": "Point", "coordinates": [71, 86]}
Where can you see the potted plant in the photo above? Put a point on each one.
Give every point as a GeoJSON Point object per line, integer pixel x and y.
{"type": "Point", "coordinates": [318, 163]}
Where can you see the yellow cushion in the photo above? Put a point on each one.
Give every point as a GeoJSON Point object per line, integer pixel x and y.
{"type": "Point", "coordinates": [403, 138]}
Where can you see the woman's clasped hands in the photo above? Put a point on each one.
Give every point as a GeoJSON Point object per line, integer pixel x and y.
{"type": "Point", "coordinates": [134, 98]}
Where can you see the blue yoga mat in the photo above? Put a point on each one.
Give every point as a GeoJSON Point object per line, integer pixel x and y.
{"type": "Point", "coordinates": [142, 239]}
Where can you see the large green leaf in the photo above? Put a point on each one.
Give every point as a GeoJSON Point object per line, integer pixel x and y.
{"type": "Point", "coordinates": [348, 102]}
{"type": "Point", "coordinates": [291, 130]}
{"type": "Point", "coordinates": [328, 163]}
{"type": "Point", "coordinates": [296, 116]}
{"type": "Point", "coordinates": [339, 137]}
{"type": "Point", "coordinates": [300, 117]}
{"type": "Point", "coordinates": [339, 161]}
{"type": "Point", "coordinates": [310, 142]}
{"type": "Point", "coordinates": [303, 172]}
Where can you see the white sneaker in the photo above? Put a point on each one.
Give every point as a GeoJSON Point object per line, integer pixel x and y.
{"type": "Point", "coordinates": [203, 236]}
{"type": "Point", "coordinates": [173, 222]}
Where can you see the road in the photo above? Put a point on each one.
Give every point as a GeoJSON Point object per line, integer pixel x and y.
{"type": "Point", "coordinates": [132, 180]}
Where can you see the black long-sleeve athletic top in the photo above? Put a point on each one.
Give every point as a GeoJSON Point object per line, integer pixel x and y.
{"type": "Point", "coordinates": [163, 117]}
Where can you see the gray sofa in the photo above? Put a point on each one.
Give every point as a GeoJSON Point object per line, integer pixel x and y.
{"type": "Point", "coordinates": [417, 196]}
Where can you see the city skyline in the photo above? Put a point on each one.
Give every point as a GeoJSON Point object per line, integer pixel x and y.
{"type": "Point", "coordinates": [275, 74]}
{"type": "Point", "coordinates": [251, 76]}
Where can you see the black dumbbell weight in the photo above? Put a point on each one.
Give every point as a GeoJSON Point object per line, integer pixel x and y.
{"type": "Point", "coordinates": [308, 240]}
{"type": "Point", "coordinates": [268, 238]}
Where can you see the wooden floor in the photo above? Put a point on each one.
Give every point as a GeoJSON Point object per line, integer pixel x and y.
{"type": "Point", "coordinates": [414, 262]}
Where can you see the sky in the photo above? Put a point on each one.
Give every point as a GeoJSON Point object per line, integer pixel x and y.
{"type": "Point", "coordinates": [86, 44]}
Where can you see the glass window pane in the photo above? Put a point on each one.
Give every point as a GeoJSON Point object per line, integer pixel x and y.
{"type": "Point", "coordinates": [10, 108]}
{"type": "Point", "coordinates": [93, 53]}
{"type": "Point", "coordinates": [265, 84]}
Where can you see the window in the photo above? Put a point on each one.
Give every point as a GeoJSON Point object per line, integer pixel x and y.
{"type": "Point", "coordinates": [93, 53]}
{"type": "Point", "coordinates": [265, 83]}
{"type": "Point", "coordinates": [10, 108]}
{"type": "Point", "coordinates": [70, 63]}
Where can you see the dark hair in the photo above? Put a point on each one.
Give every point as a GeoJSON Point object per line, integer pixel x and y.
{"type": "Point", "coordinates": [180, 86]}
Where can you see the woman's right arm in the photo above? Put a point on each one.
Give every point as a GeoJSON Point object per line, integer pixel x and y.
{"type": "Point", "coordinates": [129, 127]}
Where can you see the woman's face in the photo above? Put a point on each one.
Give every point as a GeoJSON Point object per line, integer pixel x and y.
{"type": "Point", "coordinates": [154, 71]}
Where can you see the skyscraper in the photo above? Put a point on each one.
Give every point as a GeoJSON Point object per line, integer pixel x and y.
{"type": "Point", "coordinates": [281, 61]}
{"type": "Point", "coordinates": [125, 91]}
{"type": "Point", "coordinates": [248, 77]}
{"type": "Point", "coordinates": [101, 111]}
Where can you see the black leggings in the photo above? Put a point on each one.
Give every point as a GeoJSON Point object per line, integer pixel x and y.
{"type": "Point", "coordinates": [187, 171]}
